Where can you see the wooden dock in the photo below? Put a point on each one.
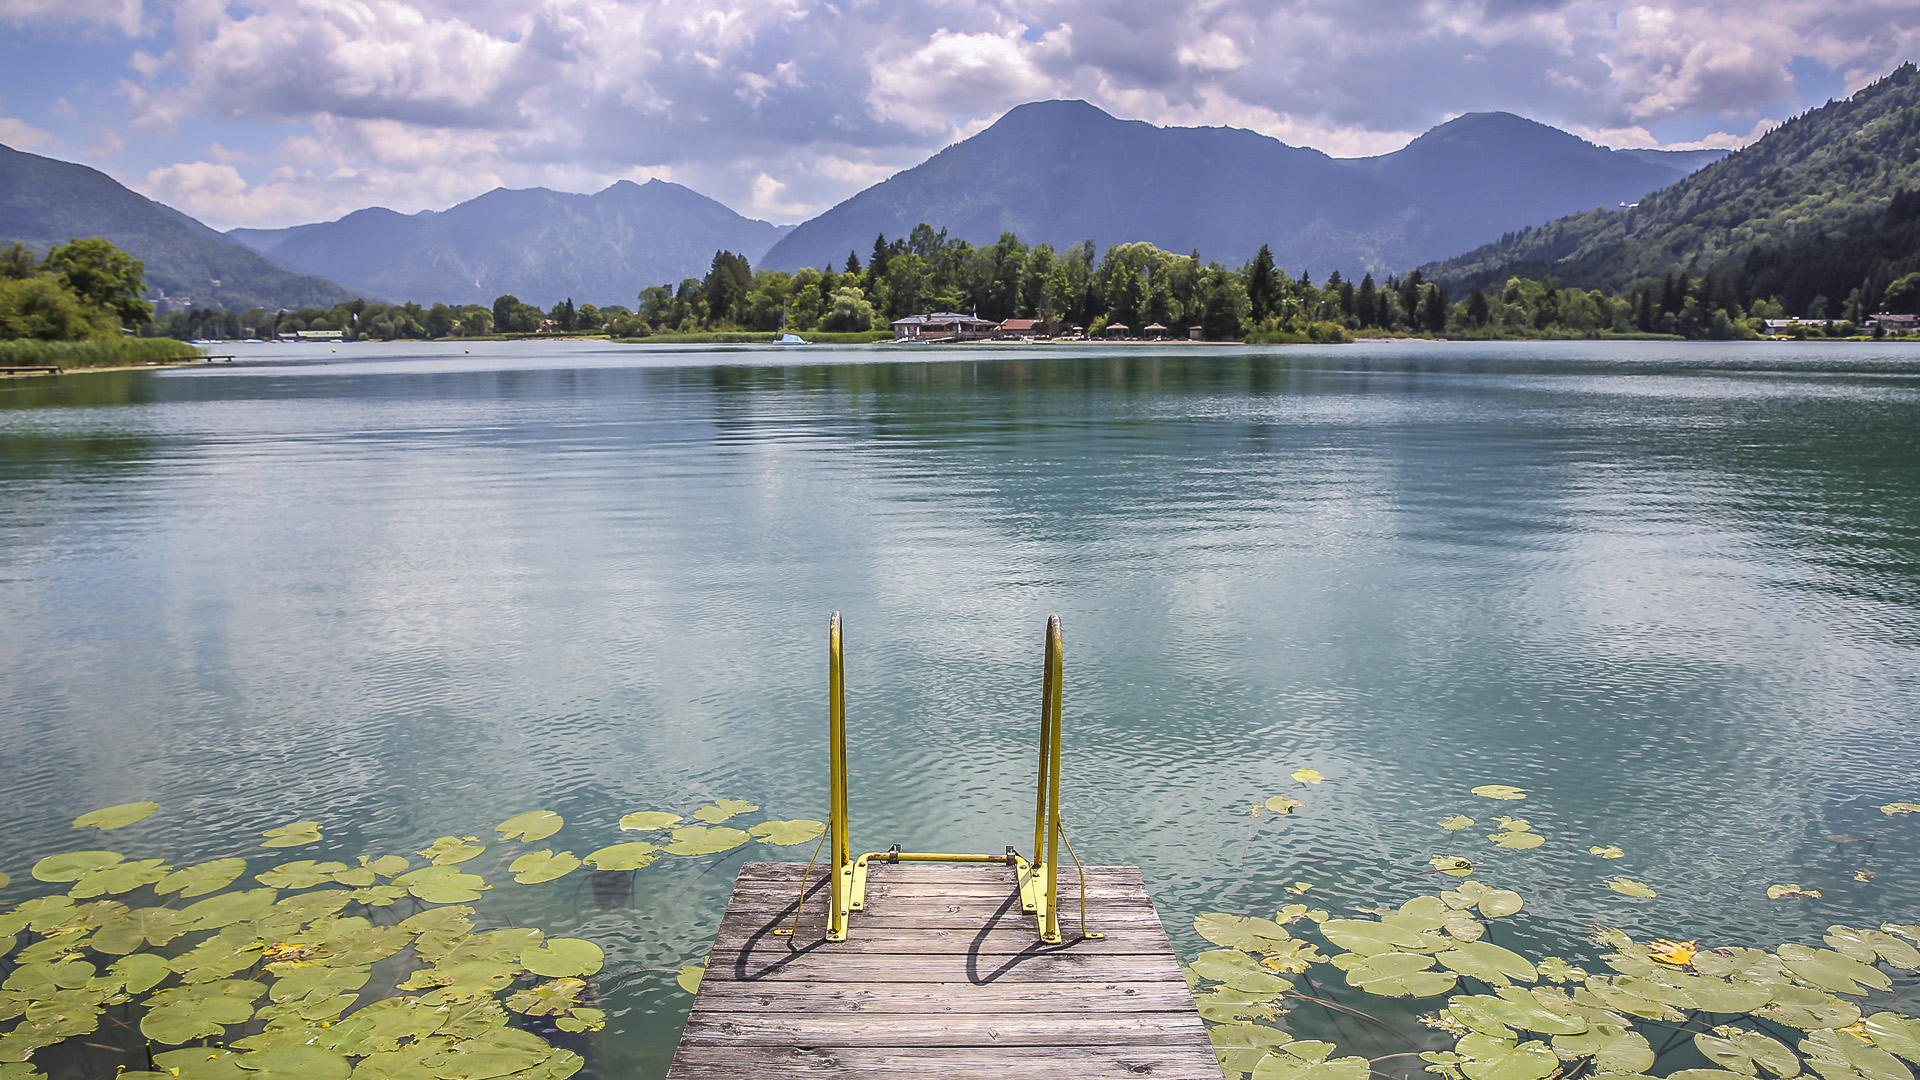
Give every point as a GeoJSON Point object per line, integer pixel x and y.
{"type": "Point", "coordinates": [942, 978]}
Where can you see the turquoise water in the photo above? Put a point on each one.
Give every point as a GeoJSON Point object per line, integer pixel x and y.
{"type": "Point", "coordinates": [1672, 590]}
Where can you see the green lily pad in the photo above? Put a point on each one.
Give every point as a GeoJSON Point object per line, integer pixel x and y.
{"type": "Point", "coordinates": [648, 821]}
{"type": "Point", "coordinates": [690, 976]}
{"type": "Point", "coordinates": [296, 1063]}
{"type": "Point", "coordinates": [301, 981]}
{"type": "Point", "coordinates": [501, 1052]}
{"type": "Point", "coordinates": [1500, 1059]}
{"type": "Point", "coordinates": [1305, 1060]}
{"type": "Point", "coordinates": [1452, 865]}
{"type": "Point", "coordinates": [1519, 841]}
{"type": "Point", "coordinates": [533, 825]}
{"type": "Point", "coordinates": [1280, 804]}
{"type": "Point", "coordinates": [197, 1063]}
{"type": "Point", "coordinates": [1488, 962]}
{"type": "Point", "coordinates": [73, 865]}
{"type": "Point", "coordinates": [1867, 946]}
{"type": "Point", "coordinates": [1746, 1052]}
{"type": "Point", "coordinates": [1832, 970]}
{"type": "Point", "coordinates": [1456, 823]}
{"type": "Point", "coordinates": [536, 867]}
{"type": "Point", "coordinates": [225, 909]}
{"type": "Point", "coordinates": [1398, 974]}
{"type": "Point", "coordinates": [700, 840]}
{"type": "Point", "coordinates": [1240, 931]}
{"type": "Point", "coordinates": [550, 998]}
{"type": "Point", "coordinates": [175, 1022]}
{"type": "Point", "coordinates": [631, 856]}
{"type": "Point", "coordinates": [1500, 791]}
{"type": "Point", "coordinates": [202, 878]}
{"type": "Point", "coordinates": [1894, 1033]}
{"type": "Point", "coordinates": [115, 817]}
{"type": "Point", "coordinates": [292, 834]}
{"type": "Point", "coordinates": [1493, 903]}
{"type": "Point", "coordinates": [1239, 971]}
{"type": "Point", "coordinates": [1614, 1048]}
{"type": "Point", "coordinates": [1808, 1009]}
{"type": "Point", "coordinates": [1838, 1056]}
{"type": "Point", "coordinates": [562, 958]}
{"type": "Point", "coordinates": [449, 850]}
{"type": "Point", "coordinates": [1225, 1005]}
{"type": "Point", "coordinates": [1369, 938]}
{"type": "Point", "coordinates": [301, 874]}
{"type": "Point", "coordinates": [129, 931]}
{"type": "Point", "coordinates": [442, 885]}
{"type": "Point", "coordinates": [1630, 887]}
{"type": "Point", "coordinates": [721, 809]}
{"type": "Point", "coordinates": [141, 972]}
{"type": "Point", "coordinates": [119, 878]}
{"type": "Point", "coordinates": [788, 833]}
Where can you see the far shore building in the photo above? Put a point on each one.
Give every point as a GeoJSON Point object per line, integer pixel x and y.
{"type": "Point", "coordinates": [1195, 333]}
{"type": "Point", "coordinates": [1904, 324]}
{"type": "Point", "coordinates": [943, 326]}
{"type": "Point", "coordinates": [1117, 329]}
{"type": "Point", "coordinates": [1030, 329]}
{"type": "Point", "coordinates": [1155, 331]}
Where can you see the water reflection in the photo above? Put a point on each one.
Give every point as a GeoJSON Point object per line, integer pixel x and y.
{"type": "Point", "coordinates": [1671, 590]}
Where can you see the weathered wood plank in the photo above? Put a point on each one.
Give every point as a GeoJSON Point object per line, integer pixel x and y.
{"type": "Point", "coordinates": [723, 996]}
{"type": "Point", "coordinates": [880, 1063]}
{"type": "Point", "coordinates": [943, 977]}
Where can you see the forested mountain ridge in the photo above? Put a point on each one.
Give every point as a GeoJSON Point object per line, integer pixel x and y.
{"type": "Point", "coordinates": [1811, 210]}
{"type": "Point", "coordinates": [45, 201]}
{"type": "Point", "coordinates": [541, 245]}
{"type": "Point", "coordinates": [1061, 172]}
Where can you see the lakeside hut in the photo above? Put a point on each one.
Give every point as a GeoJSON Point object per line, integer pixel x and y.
{"type": "Point", "coordinates": [1155, 331]}
{"type": "Point", "coordinates": [1122, 329]}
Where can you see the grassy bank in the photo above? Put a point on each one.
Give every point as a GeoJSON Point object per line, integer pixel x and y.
{"type": "Point", "coordinates": [747, 337]}
{"type": "Point", "coordinates": [95, 352]}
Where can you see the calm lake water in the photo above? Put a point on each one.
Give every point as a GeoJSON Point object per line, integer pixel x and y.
{"type": "Point", "coordinates": [1671, 590]}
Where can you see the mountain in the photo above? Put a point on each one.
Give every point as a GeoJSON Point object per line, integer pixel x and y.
{"type": "Point", "coordinates": [542, 246]}
{"type": "Point", "coordinates": [1060, 172]}
{"type": "Point", "coordinates": [44, 202]}
{"type": "Point", "coordinates": [1807, 210]}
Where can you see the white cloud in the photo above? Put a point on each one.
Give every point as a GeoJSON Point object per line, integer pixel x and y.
{"type": "Point", "coordinates": [21, 135]}
{"type": "Point", "coordinates": [781, 107]}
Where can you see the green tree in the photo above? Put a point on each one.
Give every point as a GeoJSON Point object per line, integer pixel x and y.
{"type": "Point", "coordinates": [727, 283]}
{"type": "Point", "coordinates": [104, 276]}
{"type": "Point", "coordinates": [41, 308]}
{"type": "Point", "coordinates": [851, 311]}
{"type": "Point", "coordinates": [1263, 288]}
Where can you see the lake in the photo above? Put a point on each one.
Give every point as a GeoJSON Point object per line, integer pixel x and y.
{"type": "Point", "coordinates": [408, 590]}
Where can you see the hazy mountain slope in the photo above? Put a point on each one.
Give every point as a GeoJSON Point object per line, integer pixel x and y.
{"type": "Point", "coordinates": [1833, 170]}
{"type": "Point", "coordinates": [1064, 171]}
{"type": "Point", "coordinates": [1060, 172]}
{"type": "Point", "coordinates": [542, 246]}
{"type": "Point", "coordinates": [45, 202]}
{"type": "Point", "coordinates": [1482, 174]}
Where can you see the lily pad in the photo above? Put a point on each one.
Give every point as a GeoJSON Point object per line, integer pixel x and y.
{"type": "Point", "coordinates": [1791, 891]}
{"type": "Point", "coordinates": [115, 817]}
{"type": "Point", "coordinates": [1452, 865]}
{"type": "Point", "coordinates": [73, 865]}
{"type": "Point", "coordinates": [442, 885]}
{"type": "Point", "coordinates": [1490, 1059]}
{"type": "Point", "coordinates": [690, 976]}
{"type": "Point", "coordinates": [1838, 1056]}
{"type": "Point", "coordinates": [1500, 791]}
{"type": "Point", "coordinates": [1488, 962]}
{"type": "Point", "coordinates": [630, 856]}
{"type": "Point", "coordinates": [449, 850]}
{"type": "Point", "coordinates": [562, 958]}
{"type": "Point", "coordinates": [1898, 1034]}
{"type": "Point", "coordinates": [1519, 841]}
{"type": "Point", "coordinates": [701, 840]}
{"type": "Point", "coordinates": [202, 878]}
{"type": "Point", "coordinates": [119, 878]}
{"type": "Point", "coordinates": [1808, 1009]}
{"type": "Point", "coordinates": [301, 874]}
{"type": "Point", "coordinates": [1493, 903]}
{"type": "Point", "coordinates": [788, 833]}
{"type": "Point", "coordinates": [1867, 946]}
{"type": "Point", "coordinates": [1240, 971]}
{"type": "Point", "coordinates": [549, 998]}
{"type": "Point", "coordinates": [225, 909]}
{"type": "Point", "coordinates": [1614, 1048]}
{"type": "Point", "coordinates": [1746, 1052]}
{"type": "Point", "coordinates": [296, 1063]}
{"type": "Point", "coordinates": [1456, 823]}
{"type": "Point", "coordinates": [1280, 804]}
{"type": "Point", "coordinates": [533, 825]}
{"type": "Point", "coordinates": [1832, 970]}
{"type": "Point", "coordinates": [1308, 776]}
{"type": "Point", "coordinates": [1901, 808]}
{"type": "Point", "coordinates": [1240, 931]}
{"type": "Point", "coordinates": [648, 821]}
{"type": "Point", "coordinates": [721, 809]}
{"type": "Point", "coordinates": [292, 834]}
{"type": "Point", "coordinates": [1398, 974]}
{"type": "Point", "coordinates": [1630, 887]}
{"type": "Point", "coordinates": [536, 867]}
{"type": "Point", "coordinates": [1369, 938]}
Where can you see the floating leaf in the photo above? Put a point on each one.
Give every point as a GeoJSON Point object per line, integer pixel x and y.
{"type": "Point", "coordinates": [1300, 888]}
{"type": "Point", "coordinates": [1808, 1009]}
{"type": "Point", "coordinates": [1898, 1034]}
{"type": "Point", "coordinates": [648, 820]}
{"type": "Point", "coordinates": [119, 878]}
{"type": "Point", "coordinates": [582, 1020]}
{"type": "Point", "coordinates": [114, 817]}
{"type": "Point", "coordinates": [292, 834]}
{"type": "Point", "coordinates": [1611, 851]}
{"type": "Point", "coordinates": [1630, 887]}
{"type": "Point", "coordinates": [1746, 1052]}
{"type": "Point", "coordinates": [1613, 1048]}
{"type": "Point", "coordinates": [203, 878]}
{"type": "Point", "coordinates": [549, 998]}
{"type": "Point", "coordinates": [1557, 969]}
{"type": "Point", "coordinates": [1397, 974]}
{"type": "Point", "coordinates": [1500, 791]}
{"type": "Point", "coordinates": [1838, 1056]}
{"type": "Point", "coordinates": [562, 958]}
{"type": "Point", "coordinates": [1452, 865]}
{"type": "Point", "coordinates": [450, 850]}
{"type": "Point", "coordinates": [1456, 823]}
{"type": "Point", "coordinates": [225, 909]}
{"type": "Point", "coordinates": [1492, 1059]}
{"type": "Point", "coordinates": [701, 840]}
{"type": "Point", "coordinates": [1368, 938]}
{"type": "Point", "coordinates": [1493, 903]}
{"type": "Point", "coordinates": [1488, 962]}
{"type": "Point", "coordinates": [1520, 841]}
{"type": "Point", "coordinates": [631, 856]}
{"type": "Point", "coordinates": [73, 865]}
{"type": "Point", "coordinates": [690, 976]}
{"type": "Point", "coordinates": [1832, 970]}
{"type": "Point", "coordinates": [536, 867]}
{"type": "Point", "coordinates": [1288, 1063]}
{"type": "Point", "coordinates": [1868, 945]}
{"type": "Point", "coordinates": [442, 884]}
{"type": "Point", "coordinates": [1676, 953]}
{"type": "Point", "coordinates": [301, 874]}
{"type": "Point", "coordinates": [787, 833]}
{"type": "Point", "coordinates": [1241, 931]}
{"type": "Point", "coordinates": [1791, 892]}
{"type": "Point", "coordinates": [533, 825]}
{"type": "Point", "coordinates": [721, 809]}
{"type": "Point", "coordinates": [1308, 776]}
{"type": "Point", "coordinates": [295, 1063]}
{"type": "Point", "coordinates": [1239, 971]}
{"type": "Point", "coordinates": [1901, 808]}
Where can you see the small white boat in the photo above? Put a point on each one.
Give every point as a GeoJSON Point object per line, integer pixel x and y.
{"type": "Point", "coordinates": [788, 339]}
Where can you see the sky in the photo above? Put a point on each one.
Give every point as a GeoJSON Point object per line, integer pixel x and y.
{"type": "Point", "coordinates": [278, 112]}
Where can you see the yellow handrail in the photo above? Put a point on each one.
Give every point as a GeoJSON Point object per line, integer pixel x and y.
{"type": "Point", "coordinates": [1038, 880]}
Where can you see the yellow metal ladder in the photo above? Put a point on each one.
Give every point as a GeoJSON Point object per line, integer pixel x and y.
{"type": "Point", "coordinates": [1039, 881]}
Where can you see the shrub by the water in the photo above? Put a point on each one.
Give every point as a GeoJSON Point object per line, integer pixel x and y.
{"type": "Point", "coordinates": [94, 352]}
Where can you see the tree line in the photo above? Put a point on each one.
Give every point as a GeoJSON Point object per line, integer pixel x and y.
{"type": "Point", "coordinates": [81, 290]}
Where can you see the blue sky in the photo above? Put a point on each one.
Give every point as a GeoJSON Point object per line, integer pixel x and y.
{"type": "Point", "coordinates": [276, 112]}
